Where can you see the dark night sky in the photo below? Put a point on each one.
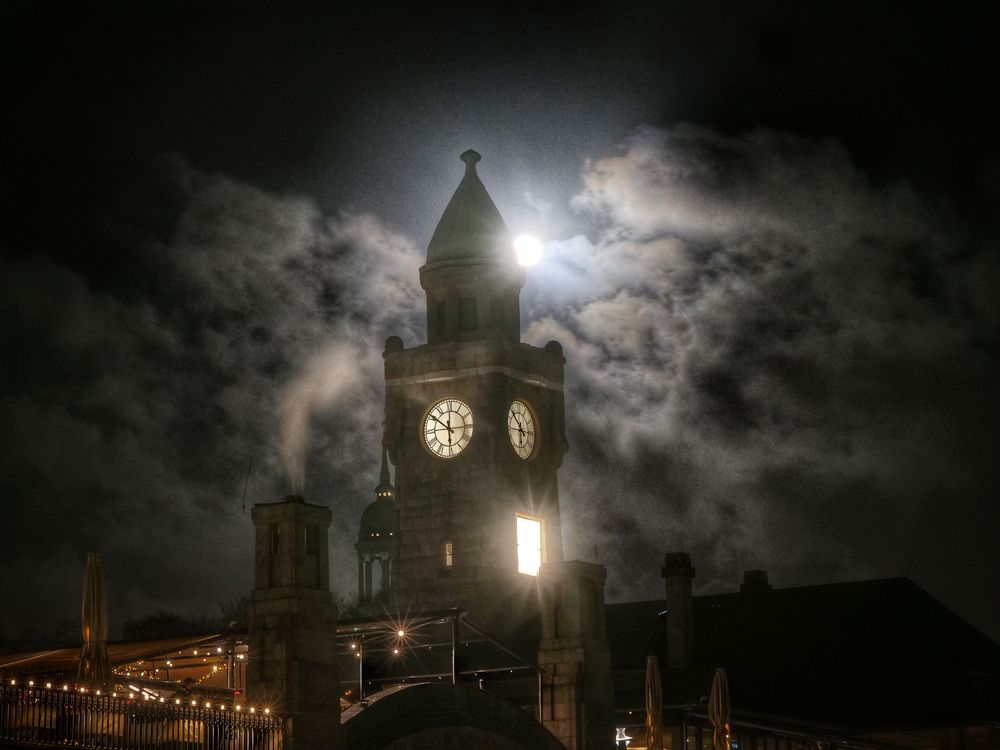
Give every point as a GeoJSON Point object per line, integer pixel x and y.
{"type": "Point", "coordinates": [771, 256]}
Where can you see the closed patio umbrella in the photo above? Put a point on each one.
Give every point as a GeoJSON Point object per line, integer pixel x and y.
{"type": "Point", "coordinates": [95, 668]}
{"type": "Point", "coordinates": [654, 705]}
{"type": "Point", "coordinates": [719, 710]}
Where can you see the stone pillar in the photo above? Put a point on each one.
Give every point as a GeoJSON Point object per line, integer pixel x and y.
{"type": "Point", "coordinates": [677, 572]}
{"type": "Point", "coordinates": [384, 562]}
{"type": "Point", "coordinates": [578, 694]}
{"type": "Point", "coordinates": [293, 665]}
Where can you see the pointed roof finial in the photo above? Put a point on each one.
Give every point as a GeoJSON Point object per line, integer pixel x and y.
{"type": "Point", "coordinates": [384, 483]}
{"type": "Point", "coordinates": [471, 158]}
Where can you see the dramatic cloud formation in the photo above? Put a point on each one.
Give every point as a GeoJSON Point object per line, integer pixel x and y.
{"type": "Point", "coordinates": [785, 365]}
{"type": "Point", "coordinates": [772, 363]}
{"type": "Point", "coordinates": [131, 413]}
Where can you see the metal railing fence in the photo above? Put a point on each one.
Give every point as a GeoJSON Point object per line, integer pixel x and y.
{"type": "Point", "coordinates": [41, 716]}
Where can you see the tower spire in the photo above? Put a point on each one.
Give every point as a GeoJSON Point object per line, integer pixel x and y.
{"type": "Point", "coordinates": [471, 229]}
{"type": "Point", "coordinates": [472, 277]}
{"type": "Point", "coordinates": [385, 488]}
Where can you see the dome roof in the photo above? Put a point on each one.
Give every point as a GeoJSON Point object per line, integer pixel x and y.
{"type": "Point", "coordinates": [471, 229]}
{"type": "Point", "coordinates": [379, 520]}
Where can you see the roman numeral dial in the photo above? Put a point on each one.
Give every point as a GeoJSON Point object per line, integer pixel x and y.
{"type": "Point", "coordinates": [521, 429]}
{"type": "Point", "coordinates": [448, 427]}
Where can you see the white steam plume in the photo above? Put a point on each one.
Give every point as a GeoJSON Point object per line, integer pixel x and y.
{"type": "Point", "coordinates": [326, 377]}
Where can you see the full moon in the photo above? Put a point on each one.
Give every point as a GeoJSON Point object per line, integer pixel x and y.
{"type": "Point", "coordinates": [529, 249]}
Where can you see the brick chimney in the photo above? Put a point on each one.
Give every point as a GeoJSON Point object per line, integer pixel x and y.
{"type": "Point", "coordinates": [755, 582]}
{"type": "Point", "coordinates": [293, 623]}
{"type": "Point", "coordinates": [677, 572]}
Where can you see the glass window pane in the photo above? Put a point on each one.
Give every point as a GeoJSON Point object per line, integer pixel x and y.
{"type": "Point", "coordinates": [529, 545]}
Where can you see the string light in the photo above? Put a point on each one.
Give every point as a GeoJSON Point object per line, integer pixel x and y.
{"type": "Point", "coordinates": [147, 696]}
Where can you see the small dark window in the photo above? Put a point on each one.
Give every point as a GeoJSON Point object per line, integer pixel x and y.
{"type": "Point", "coordinates": [311, 540]}
{"type": "Point", "coordinates": [467, 314]}
{"type": "Point", "coordinates": [275, 539]}
{"type": "Point", "coordinates": [440, 322]}
{"type": "Point", "coordinates": [497, 310]}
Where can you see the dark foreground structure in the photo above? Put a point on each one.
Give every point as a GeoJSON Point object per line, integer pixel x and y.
{"type": "Point", "coordinates": [472, 631]}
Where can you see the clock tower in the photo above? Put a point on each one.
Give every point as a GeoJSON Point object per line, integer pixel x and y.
{"type": "Point", "coordinates": [474, 424]}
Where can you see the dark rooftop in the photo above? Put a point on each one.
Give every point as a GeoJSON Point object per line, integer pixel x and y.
{"type": "Point", "coordinates": [871, 653]}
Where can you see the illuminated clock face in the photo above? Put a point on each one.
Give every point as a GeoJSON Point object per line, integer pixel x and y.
{"type": "Point", "coordinates": [521, 428]}
{"type": "Point", "coordinates": [448, 427]}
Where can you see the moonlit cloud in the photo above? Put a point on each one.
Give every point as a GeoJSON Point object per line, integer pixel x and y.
{"type": "Point", "coordinates": [762, 341]}
{"type": "Point", "coordinates": [771, 362]}
{"type": "Point", "coordinates": [133, 414]}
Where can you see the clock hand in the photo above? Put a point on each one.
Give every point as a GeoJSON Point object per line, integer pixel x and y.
{"type": "Point", "coordinates": [446, 426]}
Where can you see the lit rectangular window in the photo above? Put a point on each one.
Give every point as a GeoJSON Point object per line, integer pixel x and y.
{"type": "Point", "coordinates": [529, 545]}
{"type": "Point", "coordinates": [448, 559]}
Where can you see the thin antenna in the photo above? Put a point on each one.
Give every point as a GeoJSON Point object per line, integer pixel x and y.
{"type": "Point", "coordinates": [245, 483]}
